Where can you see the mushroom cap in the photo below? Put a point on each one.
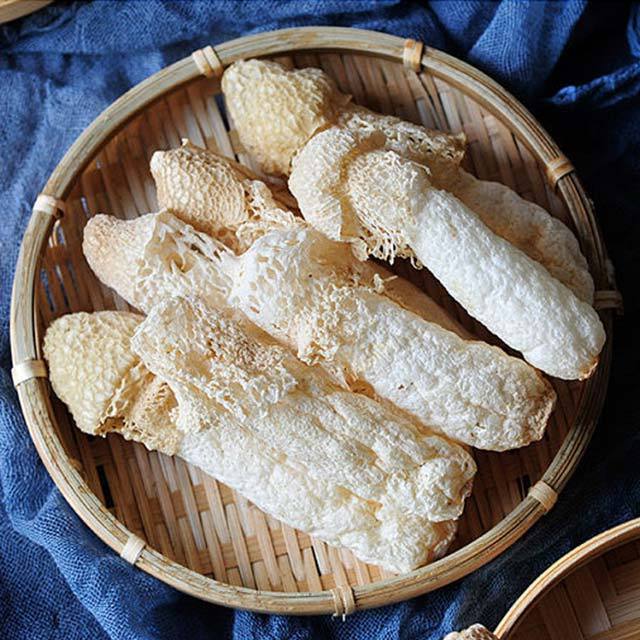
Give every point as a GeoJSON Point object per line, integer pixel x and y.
{"type": "Point", "coordinates": [92, 367]}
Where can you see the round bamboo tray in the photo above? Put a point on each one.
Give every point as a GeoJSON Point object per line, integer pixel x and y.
{"type": "Point", "coordinates": [592, 593]}
{"type": "Point", "coordinates": [13, 9]}
{"type": "Point", "coordinates": [171, 520]}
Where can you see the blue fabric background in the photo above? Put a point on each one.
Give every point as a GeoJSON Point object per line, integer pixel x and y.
{"type": "Point", "coordinates": [576, 65]}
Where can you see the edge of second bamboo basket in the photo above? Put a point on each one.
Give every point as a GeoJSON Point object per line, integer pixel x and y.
{"type": "Point", "coordinates": [565, 566]}
{"type": "Point", "coordinates": [14, 9]}
{"type": "Point", "coordinates": [36, 404]}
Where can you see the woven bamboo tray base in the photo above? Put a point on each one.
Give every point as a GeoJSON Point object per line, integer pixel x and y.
{"type": "Point", "coordinates": [200, 523]}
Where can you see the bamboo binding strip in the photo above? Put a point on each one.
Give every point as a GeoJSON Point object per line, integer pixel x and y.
{"type": "Point", "coordinates": [48, 205]}
{"type": "Point", "coordinates": [608, 299]}
{"type": "Point", "coordinates": [27, 370]}
{"type": "Point", "coordinates": [198, 535]}
{"type": "Point", "coordinates": [208, 62]}
{"type": "Point", "coordinates": [343, 600]}
{"type": "Point", "coordinates": [132, 549]}
{"type": "Point", "coordinates": [544, 494]}
{"type": "Point", "coordinates": [558, 168]}
{"type": "Point", "coordinates": [412, 54]}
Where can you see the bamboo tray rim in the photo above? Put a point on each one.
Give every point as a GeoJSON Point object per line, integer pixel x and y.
{"type": "Point", "coordinates": [34, 393]}
{"type": "Point", "coordinates": [564, 567]}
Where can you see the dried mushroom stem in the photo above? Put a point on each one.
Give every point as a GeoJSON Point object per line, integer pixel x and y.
{"type": "Point", "coordinates": [187, 185]}
{"type": "Point", "coordinates": [312, 294]}
{"type": "Point", "coordinates": [355, 189]}
{"type": "Point", "coordinates": [222, 401]}
{"type": "Point", "coordinates": [374, 451]}
{"type": "Point", "coordinates": [264, 98]}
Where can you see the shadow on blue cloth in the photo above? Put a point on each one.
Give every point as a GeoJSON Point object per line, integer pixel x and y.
{"type": "Point", "coordinates": [577, 66]}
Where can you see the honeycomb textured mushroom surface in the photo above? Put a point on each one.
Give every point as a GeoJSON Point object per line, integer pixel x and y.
{"type": "Point", "coordinates": [264, 99]}
{"type": "Point", "coordinates": [244, 410]}
{"type": "Point", "coordinates": [312, 294]}
{"type": "Point", "coordinates": [355, 189]}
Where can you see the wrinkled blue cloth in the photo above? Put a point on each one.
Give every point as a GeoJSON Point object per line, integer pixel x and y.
{"type": "Point", "coordinates": [576, 65]}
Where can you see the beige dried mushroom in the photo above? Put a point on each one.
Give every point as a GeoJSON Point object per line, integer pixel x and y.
{"type": "Point", "coordinates": [185, 180]}
{"type": "Point", "coordinates": [260, 97]}
{"type": "Point", "coordinates": [218, 363]}
{"type": "Point", "coordinates": [475, 632]}
{"type": "Point", "coordinates": [312, 294]}
{"type": "Point", "coordinates": [216, 195]}
{"type": "Point", "coordinates": [245, 411]}
{"type": "Point", "coordinates": [94, 371]}
{"type": "Point", "coordinates": [355, 189]}
{"type": "Point", "coordinates": [264, 101]}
